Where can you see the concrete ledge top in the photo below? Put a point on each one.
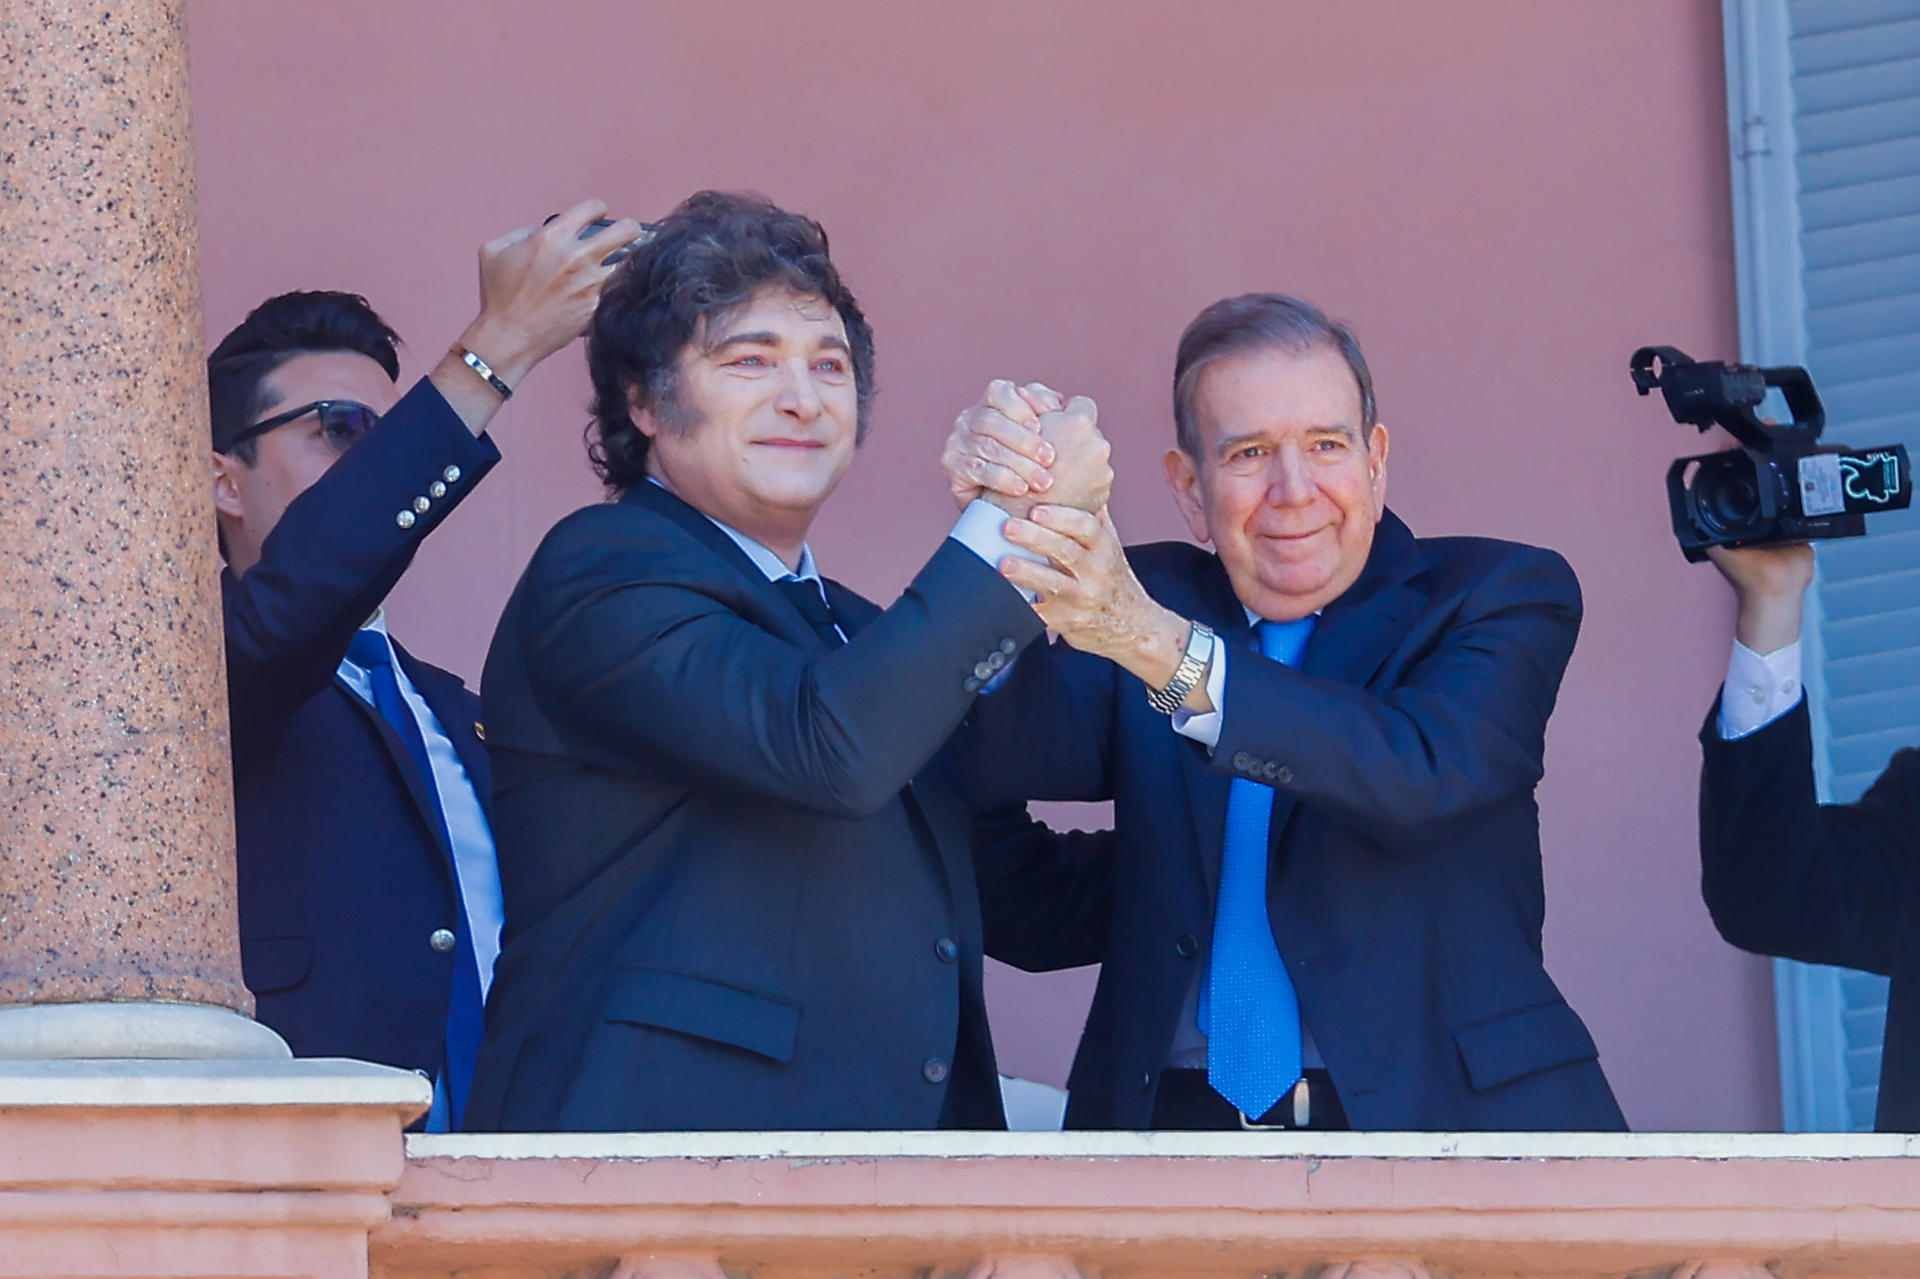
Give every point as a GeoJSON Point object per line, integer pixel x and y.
{"type": "Point", "coordinates": [1163, 1145]}
{"type": "Point", "coordinates": [211, 1083]}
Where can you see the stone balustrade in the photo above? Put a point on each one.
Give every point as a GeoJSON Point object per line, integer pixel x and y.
{"type": "Point", "coordinates": [1326, 1206]}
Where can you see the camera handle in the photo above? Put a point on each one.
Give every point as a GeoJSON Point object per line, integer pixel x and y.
{"type": "Point", "coordinates": [1725, 395]}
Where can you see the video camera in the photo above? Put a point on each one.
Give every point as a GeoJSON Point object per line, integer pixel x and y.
{"type": "Point", "coordinates": [1780, 486]}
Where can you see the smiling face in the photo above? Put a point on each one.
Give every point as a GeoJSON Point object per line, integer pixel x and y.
{"type": "Point", "coordinates": [764, 420]}
{"type": "Point", "coordinates": [1288, 484]}
{"type": "Point", "coordinates": [249, 499]}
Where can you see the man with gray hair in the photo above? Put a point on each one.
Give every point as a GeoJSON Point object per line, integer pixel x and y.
{"type": "Point", "coordinates": [1321, 903]}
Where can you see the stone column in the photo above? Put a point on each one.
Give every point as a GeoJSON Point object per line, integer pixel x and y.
{"type": "Point", "coordinates": [117, 918]}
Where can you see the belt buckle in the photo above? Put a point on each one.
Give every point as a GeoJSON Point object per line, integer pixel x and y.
{"type": "Point", "coordinates": [1302, 1104]}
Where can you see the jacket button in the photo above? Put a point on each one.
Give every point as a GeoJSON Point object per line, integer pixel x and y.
{"type": "Point", "coordinates": [1186, 945]}
{"type": "Point", "coordinates": [436, 489]}
{"type": "Point", "coordinates": [982, 671]}
{"type": "Point", "coordinates": [935, 1071]}
{"type": "Point", "coordinates": [451, 475]}
{"type": "Point", "coordinates": [479, 730]}
{"type": "Point", "coordinates": [1270, 770]}
{"type": "Point", "coordinates": [421, 506]}
{"type": "Point", "coordinates": [1283, 774]}
{"type": "Point", "coordinates": [1241, 760]}
{"type": "Point", "coordinates": [1146, 1080]}
{"type": "Point", "coordinates": [1008, 647]}
{"type": "Point", "coordinates": [971, 684]}
{"type": "Point", "coordinates": [947, 950]}
{"type": "Point", "coordinates": [441, 939]}
{"type": "Point", "coordinates": [996, 659]}
{"type": "Point", "coordinates": [404, 519]}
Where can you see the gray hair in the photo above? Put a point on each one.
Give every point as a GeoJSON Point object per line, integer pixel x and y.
{"type": "Point", "coordinates": [1250, 322]}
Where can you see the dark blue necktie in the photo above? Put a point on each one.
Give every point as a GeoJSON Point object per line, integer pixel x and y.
{"type": "Point", "coordinates": [371, 652]}
{"type": "Point", "coordinates": [1252, 1020]}
{"type": "Point", "coordinates": [810, 598]}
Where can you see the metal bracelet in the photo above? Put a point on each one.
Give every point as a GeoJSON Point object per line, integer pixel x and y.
{"type": "Point", "coordinates": [484, 369]}
{"type": "Point", "coordinates": [1193, 665]}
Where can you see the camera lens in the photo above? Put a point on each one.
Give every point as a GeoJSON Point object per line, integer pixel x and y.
{"type": "Point", "coordinates": [1726, 497]}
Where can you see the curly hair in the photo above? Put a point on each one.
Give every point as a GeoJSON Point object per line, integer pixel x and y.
{"type": "Point", "coordinates": [711, 255]}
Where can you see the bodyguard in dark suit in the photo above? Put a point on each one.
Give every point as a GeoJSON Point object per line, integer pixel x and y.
{"type": "Point", "coordinates": [1321, 901]}
{"type": "Point", "coordinates": [734, 853]}
{"type": "Point", "coordinates": [1783, 874]}
{"type": "Point", "coordinates": [369, 902]}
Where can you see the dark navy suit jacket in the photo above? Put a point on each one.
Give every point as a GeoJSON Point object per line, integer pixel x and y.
{"type": "Point", "coordinates": [343, 876]}
{"type": "Point", "coordinates": [1404, 884]}
{"type": "Point", "coordinates": [735, 859]}
{"type": "Point", "coordinates": [1833, 884]}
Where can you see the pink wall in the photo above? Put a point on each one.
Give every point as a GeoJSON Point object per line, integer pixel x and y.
{"type": "Point", "coordinates": [1505, 198]}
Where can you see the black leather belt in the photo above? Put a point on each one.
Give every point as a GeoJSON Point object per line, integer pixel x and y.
{"type": "Point", "coordinates": [1186, 1101]}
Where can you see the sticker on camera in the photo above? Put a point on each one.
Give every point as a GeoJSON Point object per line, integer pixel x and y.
{"type": "Point", "coordinates": [1821, 490]}
{"type": "Point", "coordinates": [1872, 478]}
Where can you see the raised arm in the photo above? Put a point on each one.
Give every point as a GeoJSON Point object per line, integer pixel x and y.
{"type": "Point", "coordinates": [340, 545]}
{"type": "Point", "coordinates": [646, 650]}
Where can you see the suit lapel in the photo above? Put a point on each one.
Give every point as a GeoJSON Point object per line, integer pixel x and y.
{"type": "Point", "coordinates": [773, 610]}
{"type": "Point", "coordinates": [1354, 636]}
{"type": "Point", "coordinates": [454, 707]}
{"type": "Point", "coordinates": [401, 760]}
{"type": "Point", "coordinates": [1357, 632]}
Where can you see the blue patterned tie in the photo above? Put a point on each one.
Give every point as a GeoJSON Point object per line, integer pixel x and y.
{"type": "Point", "coordinates": [1251, 1015]}
{"type": "Point", "coordinates": [371, 652]}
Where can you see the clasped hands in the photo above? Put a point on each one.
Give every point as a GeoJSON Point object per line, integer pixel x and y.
{"type": "Point", "coordinates": [1041, 457]}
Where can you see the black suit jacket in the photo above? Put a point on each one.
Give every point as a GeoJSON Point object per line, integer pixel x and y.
{"type": "Point", "coordinates": [1404, 885]}
{"type": "Point", "coordinates": [738, 888]}
{"type": "Point", "coordinates": [343, 875]}
{"type": "Point", "coordinates": [1835, 884]}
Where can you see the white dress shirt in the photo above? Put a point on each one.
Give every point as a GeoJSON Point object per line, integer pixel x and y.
{"type": "Point", "coordinates": [1759, 689]}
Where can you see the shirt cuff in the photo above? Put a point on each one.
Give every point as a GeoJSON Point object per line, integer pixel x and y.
{"type": "Point", "coordinates": [1205, 729]}
{"type": "Point", "coordinates": [1759, 689]}
{"type": "Point", "coordinates": [978, 529]}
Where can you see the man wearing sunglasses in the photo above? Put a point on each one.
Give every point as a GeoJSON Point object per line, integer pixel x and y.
{"type": "Point", "coordinates": [369, 896]}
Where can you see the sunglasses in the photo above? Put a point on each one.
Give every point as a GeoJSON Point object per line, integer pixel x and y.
{"type": "Point", "coordinates": [343, 423]}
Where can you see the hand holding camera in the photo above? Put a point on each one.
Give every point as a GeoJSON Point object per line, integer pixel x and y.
{"type": "Point", "coordinates": [1769, 583]}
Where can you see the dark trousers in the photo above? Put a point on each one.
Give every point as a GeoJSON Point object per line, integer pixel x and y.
{"type": "Point", "coordinates": [1187, 1103]}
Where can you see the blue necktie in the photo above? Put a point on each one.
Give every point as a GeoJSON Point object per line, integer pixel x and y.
{"type": "Point", "coordinates": [371, 652]}
{"type": "Point", "coordinates": [1251, 1015]}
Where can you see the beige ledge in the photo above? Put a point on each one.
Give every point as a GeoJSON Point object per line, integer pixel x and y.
{"type": "Point", "coordinates": [1465, 1206]}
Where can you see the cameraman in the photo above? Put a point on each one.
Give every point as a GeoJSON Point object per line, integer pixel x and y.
{"type": "Point", "coordinates": [369, 895]}
{"type": "Point", "coordinates": [1781, 873]}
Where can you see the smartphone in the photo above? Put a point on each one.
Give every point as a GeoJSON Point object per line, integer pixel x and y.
{"type": "Point", "coordinates": [647, 231]}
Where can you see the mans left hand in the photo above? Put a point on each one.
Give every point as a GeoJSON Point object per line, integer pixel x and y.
{"type": "Point", "coordinates": [1088, 594]}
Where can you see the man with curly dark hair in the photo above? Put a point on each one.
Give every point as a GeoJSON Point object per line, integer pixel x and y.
{"type": "Point", "coordinates": [736, 866]}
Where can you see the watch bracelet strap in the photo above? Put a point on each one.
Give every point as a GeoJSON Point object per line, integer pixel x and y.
{"type": "Point", "coordinates": [1193, 664]}
{"type": "Point", "coordinates": [484, 369]}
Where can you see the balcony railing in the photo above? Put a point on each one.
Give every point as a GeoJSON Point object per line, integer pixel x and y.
{"type": "Point", "coordinates": [883, 1204]}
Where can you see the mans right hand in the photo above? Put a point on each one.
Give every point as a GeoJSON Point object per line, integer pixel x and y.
{"type": "Point", "coordinates": [1023, 444]}
{"type": "Point", "coordinates": [1769, 582]}
{"type": "Point", "coordinates": [538, 288]}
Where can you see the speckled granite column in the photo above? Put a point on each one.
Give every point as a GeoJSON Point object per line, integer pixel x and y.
{"type": "Point", "coordinates": [116, 809]}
